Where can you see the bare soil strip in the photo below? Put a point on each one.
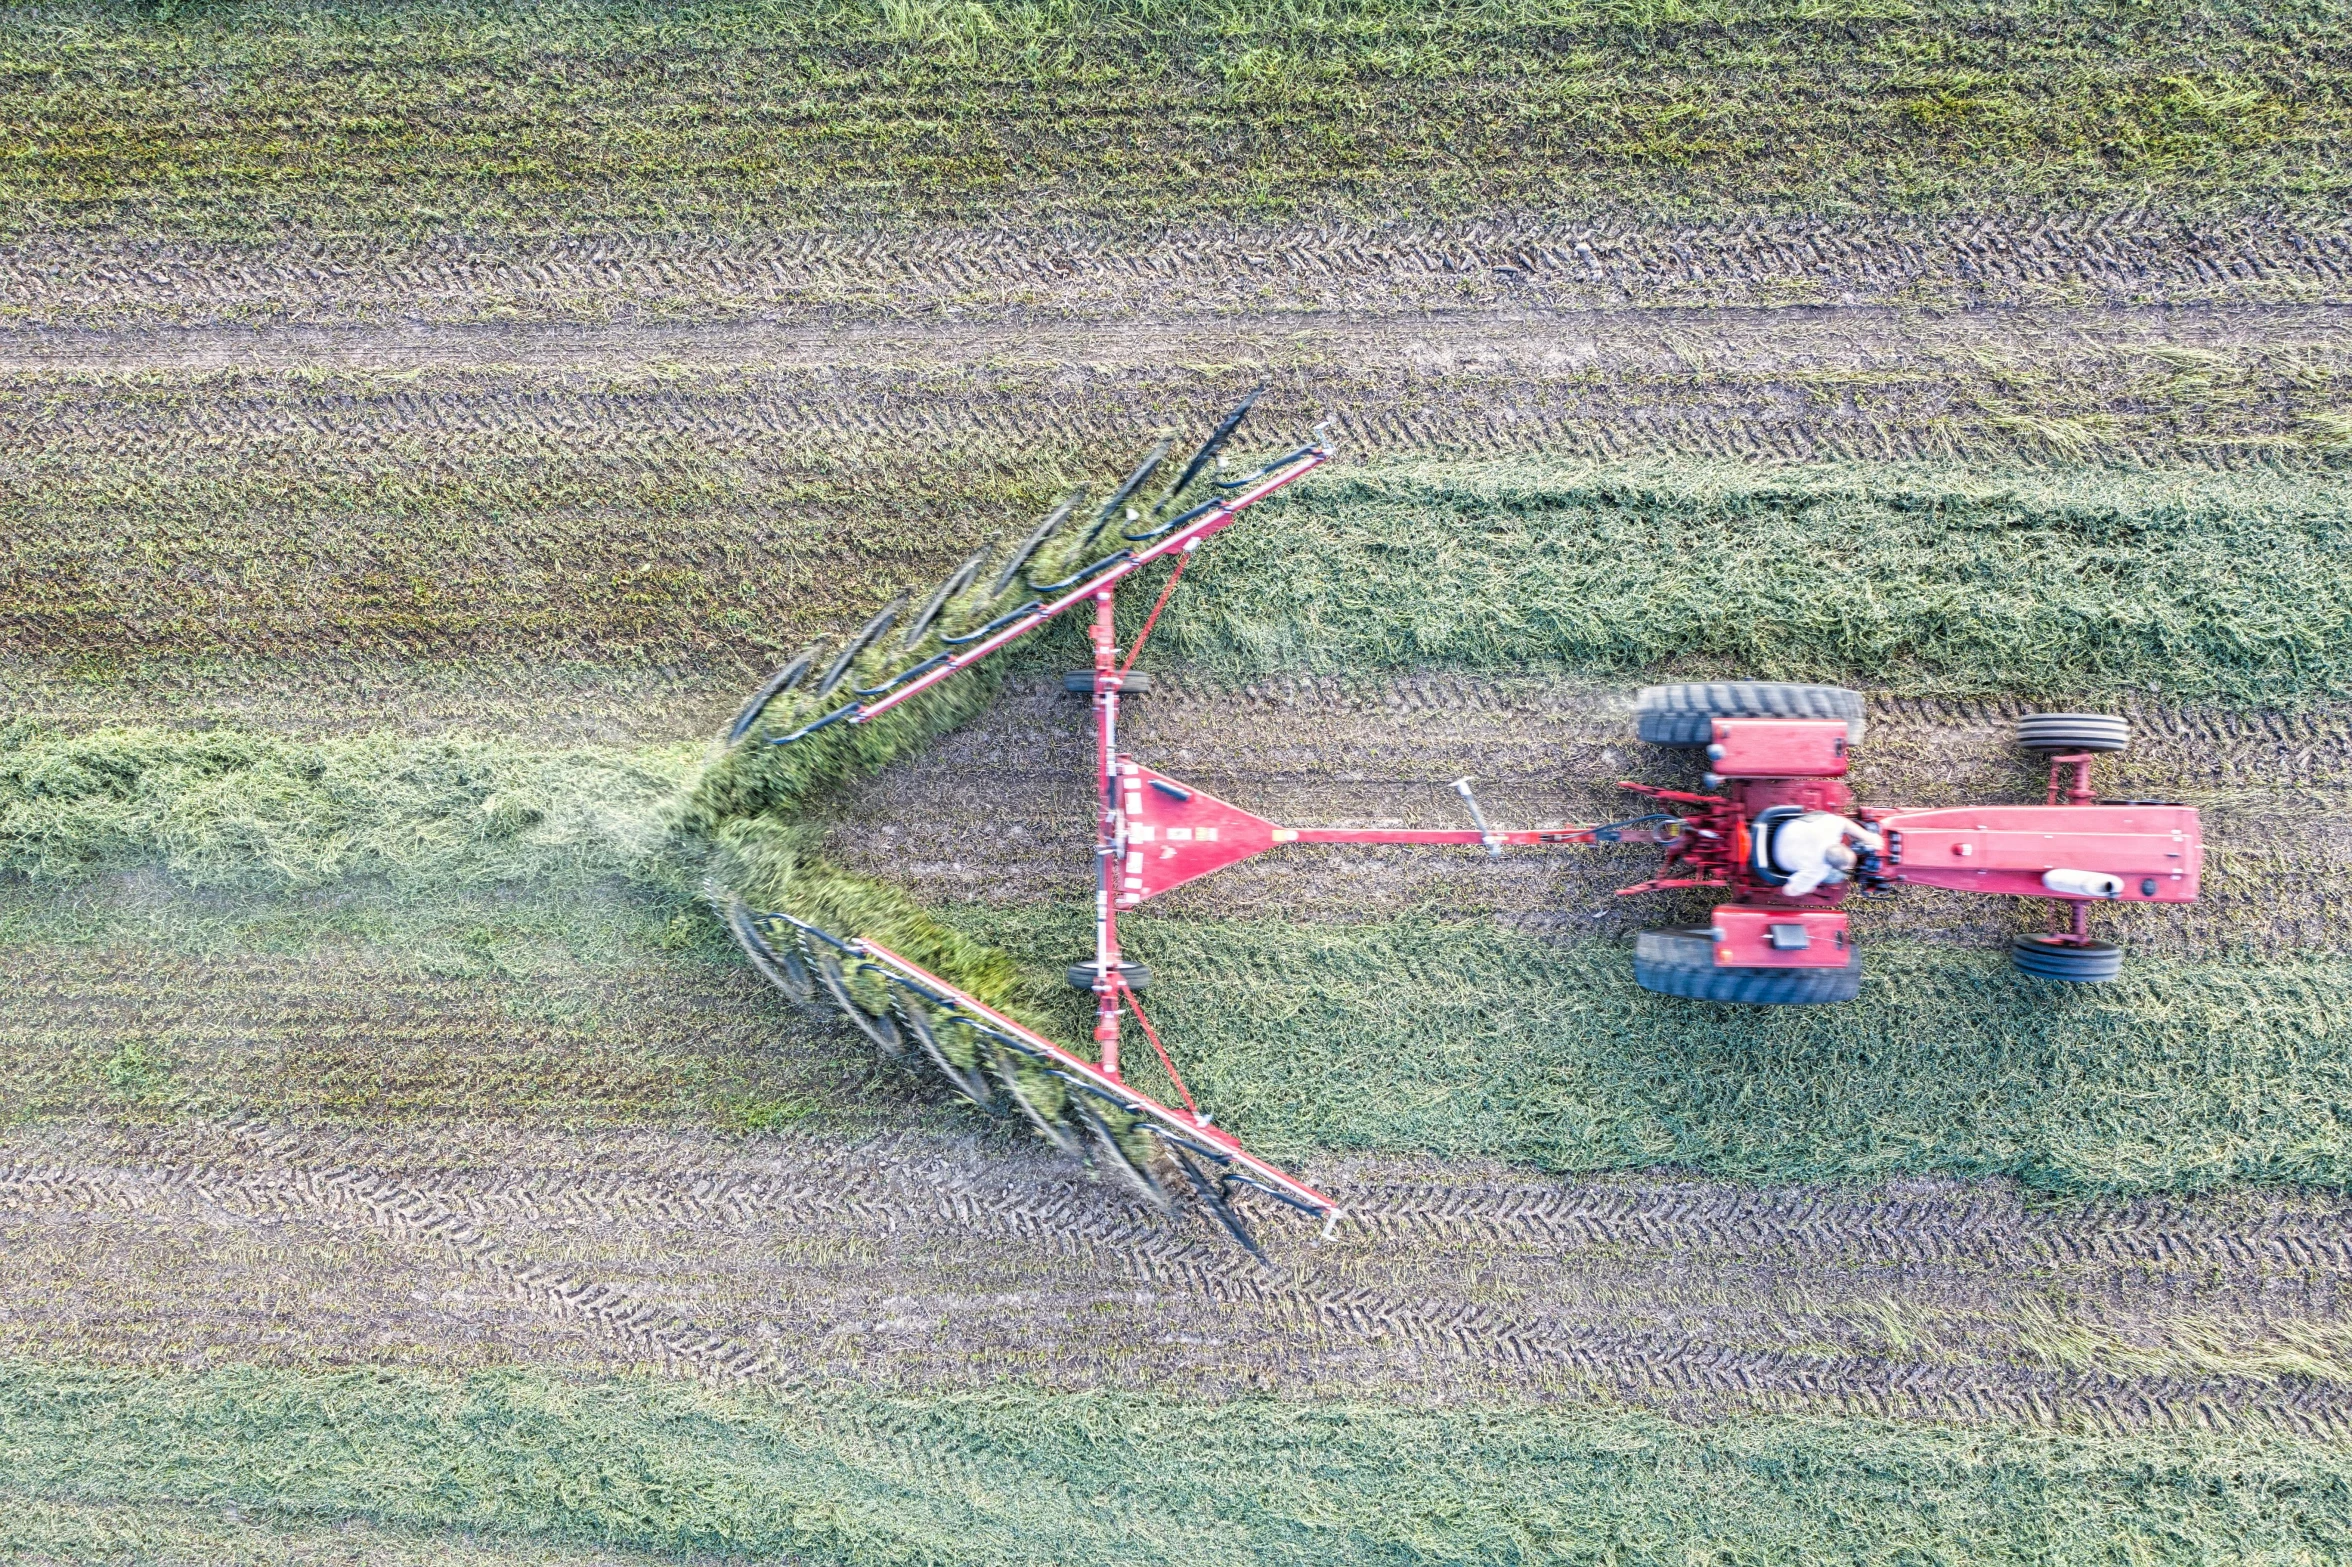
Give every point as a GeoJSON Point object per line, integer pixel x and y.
{"type": "Point", "coordinates": [930, 1262]}
{"type": "Point", "coordinates": [997, 811]}
{"type": "Point", "coordinates": [2119, 257]}
{"type": "Point", "coordinates": [2216, 383]}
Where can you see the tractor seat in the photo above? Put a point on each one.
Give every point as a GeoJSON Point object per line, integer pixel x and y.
{"type": "Point", "coordinates": [1762, 862]}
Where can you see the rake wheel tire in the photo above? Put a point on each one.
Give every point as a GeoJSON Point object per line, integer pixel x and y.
{"type": "Point", "coordinates": [1082, 975]}
{"type": "Point", "coordinates": [1686, 714]}
{"type": "Point", "coordinates": [1682, 963]}
{"type": "Point", "coordinates": [2060, 732]}
{"type": "Point", "coordinates": [2067, 962]}
{"type": "Point", "coordinates": [1080, 682]}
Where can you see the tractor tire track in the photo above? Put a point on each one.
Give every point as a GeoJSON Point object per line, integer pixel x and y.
{"type": "Point", "coordinates": [1437, 1280]}
{"type": "Point", "coordinates": [1964, 262]}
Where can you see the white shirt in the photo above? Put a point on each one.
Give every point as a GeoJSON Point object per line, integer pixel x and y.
{"type": "Point", "coordinates": [1812, 849]}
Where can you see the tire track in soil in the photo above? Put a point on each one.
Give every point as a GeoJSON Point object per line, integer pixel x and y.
{"type": "Point", "coordinates": [1694, 1298]}
{"type": "Point", "coordinates": [360, 404]}
{"type": "Point", "coordinates": [1961, 262]}
{"type": "Point", "coordinates": [996, 812]}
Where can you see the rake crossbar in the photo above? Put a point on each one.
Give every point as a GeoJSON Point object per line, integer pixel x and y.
{"type": "Point", "coordinates": [1207, 520]}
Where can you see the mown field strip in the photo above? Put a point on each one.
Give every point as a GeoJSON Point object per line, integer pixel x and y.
{"type": "Point", "coordinates": [1950, 578]}
{"type": "Point", "coordinates": [2123, 255]}
{"type": "Point", "coordinates": [761, 400]}
{"type": "Point", "coordinates": [65, 1528]}
{"type": "Point", "coordinates": [1020, 1477]}
{"type": "Point", "coordinates": [924, 1263]}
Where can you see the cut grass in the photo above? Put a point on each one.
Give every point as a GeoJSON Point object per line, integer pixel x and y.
{"type": "Point", "coordinates": [282, 115]}
{"type": "Point", "coordinates": [1031, 1478]}
{"type": "Point", "coordinates": [2234, 588]}
{"type": "Point", "coordinates": [237, 811]}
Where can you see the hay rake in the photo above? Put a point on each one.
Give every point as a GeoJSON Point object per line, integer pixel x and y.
{"type": "Point", "coordinates": [1086, 1108]}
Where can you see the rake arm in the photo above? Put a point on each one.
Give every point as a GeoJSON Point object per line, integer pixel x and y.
{"type": "Point", "coordinates": [909, 983]}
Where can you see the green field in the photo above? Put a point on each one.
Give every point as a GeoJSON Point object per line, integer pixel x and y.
{"type": "Point", "coordinates": [212, 119]}
{"type": "Point", "coordinates": [424, 422]}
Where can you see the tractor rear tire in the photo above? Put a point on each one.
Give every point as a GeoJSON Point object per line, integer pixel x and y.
{"type": "Point", "coordinates": [2057, 732]}
{"type": "Point", "coordinates": [1682, 963]}
{"type": "Point", "coordinates": [2069, 963]}
{"type": "Point", "coordinates": [1686, 714]}
{"type": "Point", "coordinates": [1082, 975]}
{"type": "Point", "coordinates": [1080, 682]}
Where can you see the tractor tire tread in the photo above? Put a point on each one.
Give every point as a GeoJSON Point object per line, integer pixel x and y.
{"type": "Point", "coordinates": [2073, 732]}
{"type": "Point", "coordinates": [1682, 963]}
{"type": "Point", "coordinates": [1685, 714]}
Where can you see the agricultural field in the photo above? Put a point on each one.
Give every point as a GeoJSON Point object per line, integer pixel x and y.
{"type": "Point", "coordinates": [425, 423]}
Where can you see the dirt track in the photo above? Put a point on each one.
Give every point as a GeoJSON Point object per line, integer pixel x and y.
{"type": "Point", "coordinates": [2110, 259]}
{"type": "Point", "coordinates": [923, 1261]}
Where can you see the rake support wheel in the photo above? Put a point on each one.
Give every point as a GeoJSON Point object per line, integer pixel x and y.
{"type": "Point", "coordinates": [1080, 682]}
{"type": "Point", "coordinates": [1083, 975]}
{"type": "Point", "coordinates": [1686, 714]}
{"type": "Point", "coordinates": [1682, 963]}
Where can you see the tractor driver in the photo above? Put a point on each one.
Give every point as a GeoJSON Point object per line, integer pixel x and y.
{"type": "Point", "coordinates": [1813, 849]}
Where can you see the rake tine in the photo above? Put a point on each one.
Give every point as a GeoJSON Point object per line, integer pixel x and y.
{"type": "Point", "coordinates": [1139, 1177]}
{"type": "Point", "coordinates": [858, 644]}
{"type": "Point", "coordinates": [1126, 492]}
{"type": "Point", "coordinates": [786, 971]}
{"type": "Point", "coordinates": [1008, 1077]}
{"type": "Point", "coordinates": [883, 1031]}
{"type": "Point", "coordinates": [967, 1081]}
{"type": "Point", "coordinates": [1214, 1200]}
{"type": "Point", "coordinates": [1214, 444]}
{"type": "Point", "coordinates": [779, 683]}
{"type": "Point", "coordinates": [1035, 542]}
{"type": "Point", "coordinates": [957, 580]}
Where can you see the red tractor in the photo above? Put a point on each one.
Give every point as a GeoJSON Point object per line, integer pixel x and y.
{"type": "Point", "coordinates": [1776, 753]}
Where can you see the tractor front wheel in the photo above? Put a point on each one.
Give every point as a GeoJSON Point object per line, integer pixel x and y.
{"type": "Point", "coordinates": [2068, 962]}
{"type": "Point", "coordinates": [2063, 732]}
{"type": "Point", "coordinates": [1682, 963]}
{"type": "Point", "coordinates": [1686, 714]}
